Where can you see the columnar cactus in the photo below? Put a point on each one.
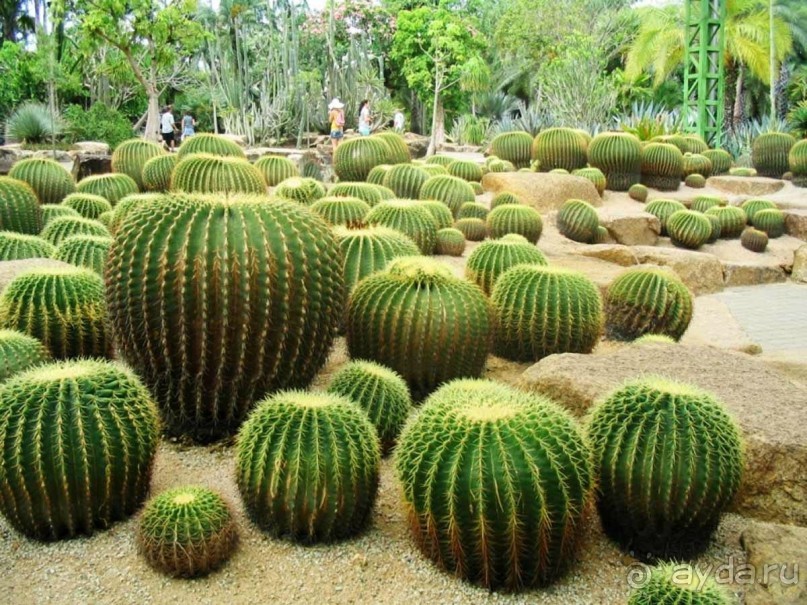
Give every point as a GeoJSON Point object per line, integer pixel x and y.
{"type": "Point", "coordinates": [472, 508]}
{"type": "Point", "coordinates": [347, 211]}
{"type": "Point", "coordinates": [514, 147]}
{"type": "Point", "coordinates": [676, 584]}
{"type": "Point", "coordinates": [754, 240]}
{"type": "Point", "coordinates": [50, 181]}
{"type": "Point", "coordinates": [307, 466]}
{"type": "Point", "coordinates": [771, 221]}
{"type": "Point", "coordinates": [450, 190]}
{"type": "Point", "coordinates": [410, 218]}
{"type": "Point", "coordinates": [663, 209]}
{"type": "Point", "coordinates": [533, 317]}
{"type": "Point", "coordinates": [216, 174]}
{"type": "Point", "coordinates": [355, 158]}
{"type": "Point", "coordinates": [113, 187]}
{"type": "Point", "coordinates": [54, 211]}
{"type": "Point", "coordinates": [662, 491]}
{"type": "Point", "coordinates": [511, 218]}
{"type": "Point", "coordinates": [769, 153]}
{"type": "Point", "coordinates": [594, 175]}
{"type": "Point", "coordinates": [440, 213]}
{"type": "Point", "coordinates": [212, 144]}
{"type": "Point", "coordinates": [157, 172]}
{"type": "Point", "coordinates": [578, 221]}
{"type": "Point", "coordinates": [721, 160]}
{"type": "Point", "coordinates": [276, 169]}
{"type": "Point", "coordinates": [85, 251]}
{"type": "Point", "coordinates": [797, 159]}
{"type": "Point", "coordinates": [695, 181]}
{"type": "Point", "coordinates": [504, 198]}
{"type": "Point", "coordinates": [491, 259]}
{"type": "Point", "coordinates": [702, 203]}
{"type": "Point", "coordinates": [19, 207]}
{"type": "Point", "coordinates": [131, 156]}
{"type": "Point", "coordinates": [187, 532]}
{"type": "Point", "coordinates": [367, 251]}
{"type": "Point", "coordinates": [647, 301]}
{"type": "Point", "coordinates": [473, 210]}
{"type": "Point", "coordinates": [619, 156]}
{"type": "Point", "coordinates": [662, 166]}
{"type": "Point", "coordinates": [265, 277]}
{"type": "Point", "coordinates": [61, 228]}
{"type": "Point", "coordinates": [367, 192]}
{"type": "Point", "coordinates": [752, 206]}
{"type": "Point", "coordinates": [638, 192]}
{"type": "Point", "coordinates": [406, 180]}
{"type": "Point", "coordinates": [694, 163]}
{"type": "Point", "coordinates": [689, 229]}
{"type": "Point", "coordinates": [467, 170]}
{"type": "Point", "coordinates": [18, 246]}
{"type": "Point", "coordinates": [87, 205]}
{"type": "Point", "coordinates": [450, 242]}
{"type": "Point", "coordinates": [377, 174]}
{"type": "Point", "coordinates": [19, 352]}
{"type": "Point", "coordinates": [421, 321]}
{"type": "Point", "coordinates": [77, 442]}
{"type": "Point", "coordinates": [473, 229]}
{"type": "Point", "coordinates": [398, 149]}
{"type": "Point", "coordinates": [732, 220]}
{"type": "Point", "coordinates": [559, 148]}
{"type": "Point", "coordinates": [302, 190]}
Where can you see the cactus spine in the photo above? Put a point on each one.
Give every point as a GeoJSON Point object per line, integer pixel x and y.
{"type": "Point", "coordinates": [662, 166]}
{"type": "Point", "coordinates": [212, 144]}
{"type": "Point", "coordinates": [85, 251]}
{"type": "Point", "coordinates": [689, 229]}
{"type": "Point", "coordinates": [450, 242]}
{"type": "Point", "coordinates": [491, 259]}
{"type": "Point", "coordinates": [367, 251]}
{"type": "Point", "coordinates": [59, 229]}
{"type": "Point", "coordinates": [732, 220]}
{"type": "Point", "coordinates": [19, 207]}
{"type": "Point", "coordinates": [112, 187]}
{"type": "Point", "coordinates": [514, 147]}
{"type": "Point", "coordinates": [19, 352]}
{"type": "Point", "coordinates": [771, 221]}
{"type": "Point", "coordinates": [354, 159]}
{"type": "Point", "coordinates": [511, 218]}
{"type": "Point", "coordinates": [578, 221]}
{"type": "Point", "coordinates": [131, 156]}
{"type": "Point", "coordinates": [216, 174]}
{"type": "Point", "coordinates": [559, 148]}
{"type": "Point", "coordinates": [754, 240]}
{"type": "Point", "coordinates": [619, 156]}
{"type": "Point", "coordinates": [87, 205]}
{"type": "Point", "coordinates": [410, 218]}
{"type": "Point", "coordinates": [50, 181]}
{"type": "Point", "coordinates": [157, 172]}
{"type": "Point", "coordinates": [769, 153]}
{"type": "Point", "coordinates": [450, 190]}
{"type": "Point", "coordinates": [18, 246]}
{"type": "Point", "coordinates": [276, 169]}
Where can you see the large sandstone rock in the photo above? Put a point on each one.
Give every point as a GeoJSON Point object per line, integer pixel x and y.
{"type": "Point", "coordinates": [91, 147]}
{"type": "Point", "coordinates": [741, 185]}
{"type": "Point", "coordinates": [631, 228]}
{"type": "Point", "coordinates": [612, 253]}
{"type": "Point", "coordinates": [736, 273]}
{"type": "Point", "coordinates": [800, 265]}
{"type": "Point", "coordinates": [769, 408]}
{"type": "Point", "coordinates": [796, 223]}
{"type": "Point", "coordinates": [701, 272]}
{"type": "Point", "coordinates": [714, 325]}
{"type": "Point", "coordinates": [418, 144]}
{"type": "Point", "coordinates": [543, 191]}
{"type": "Point", "coordinates": [778, 555]}
{"type": "Point", "coordinates": [9, 155]}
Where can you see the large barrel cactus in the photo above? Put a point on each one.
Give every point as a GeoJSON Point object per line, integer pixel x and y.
{"type": "Point", "coordinates": [679, 584]}
{"type": "Point", "coordinates": [771, 221]}
{"type": "Point", "coordinates": [752, 206]}
{"type": "Point", "coordinates": [367, 192]}
{"type": "Point", "coordinates": [419, 320]}
{"type": "Point", "coordinates": [450, 190]}
{"type": "Point", "coordinates": [662, 166]}
{"type": "Point", "coordinates": [515, 147]}
{"type": "Point", "coordinates": [647, 301]}
{"type": "Point", "coordinates": [663, 209]}
{"type": "Point", "coordinates": [212, 144]}
{"type": "Point", "coordinates": [689, 229]}
{"type": "Point", "coordinates": [769, 153]}
{"type": "Point", "coordinates": [300, 189]}
{"type": "Point", "coordinates": [694, 163]}
{"type": "Point", "coordinates": [496, 484]}
{"type": "Point", "coordinates": [440, 213]}
{"type": "Point", "coordinates": [54, 211]}
{"type": "Point", "coordinates": [797, 159]}
{"type": "Point", "coordinates": [87, 205]}
{"type": "Point", "coordinates": [669, 461]}
{"type": "Point", "coordinates": [367, 251]}
{"type": "Point", "coordinates": [355, 158]}
{"type": "Point", "coordinates": [131, 156]}
{"type": "Point", "coordinates": [276, 169]}
{"type": "Point", "coordinates": [595, 175]}
{"type": "Point", "coordinates": [504, 198]}
{"type": "Point", "coordinates": [410, 218]}
{"type": "Point", "coordinates": [157, 172]}
{"type": "Point", "coordinates": [406, 180]}
{"type": "Point", "coordinates": [77, 442]}
{"type": "Point", "coordinates": [216, 174]}
{"type": "Point", "coordinates": [398, 149]}
{"type": "Point", "coordinates": [702, 203]}
{"type": "Point", "coordinates": [113, 187]}
{"type": "Point", "coordinates": [19, 207]}
{"type": "Point", "coordinates": [721, 160]}
{"type": "Point", "coordinates": [732, 220]}
{"type": "Point", "coordinates": [19, 352]}
{"type": "Point", "coordinates": [346, 211]}
{"type": "Point", "coordinates": [465, 170]}
{"type": "Point", "coordinates": [491, 259]}
{"type": "Point", "coordinates": [18, 246]}
{"type": "Point", "coordinates": [619, 156]}
{"type": "Point", "coordinates": [85, 251]}
{"type": "Point", "coordinates": [216, 302]}
{"type": "Point", "coordinates": [59, 229]}
{"type": "Point", "coordinates": [578, 220]}
{"type": "Point", "coordinates": [50, 180]}
{"type": "Point", "coordinates": [559, 148]}
{"type": "Point", "coordinates": [307, 466]}
{"type": "Point", "coordinates": [512, 218]}
{"type": "Point", "coordinates": [471, 210]}
{"type": "Point", "coordinates": [450, 242]}
{"type": "Point", "coordinates": [377, 174]}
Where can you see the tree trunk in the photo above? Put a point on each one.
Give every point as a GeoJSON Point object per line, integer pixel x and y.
{"type": "Point", "coordinates": [438, 133]}
{"type": "Point", "coordinates": [152, 132]}
{"type": "Point", "coordinates": [737, 114]}
{"type": "Point", "coordinates": [731, 92]}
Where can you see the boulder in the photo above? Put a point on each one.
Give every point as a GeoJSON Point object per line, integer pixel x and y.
{"type": "Point", "coordinates": [418, 144]}
{"type": "Point", "coordinates": [543, 191]}
{"type": "Point", "coordinates": [769, 408]}
{"type": "Point", "coordinates": [9, 155]}
{"type": "Point", "coordinates": [742, 185]}
{"type": "Point", "coordinates": [796, 223]}
{"type": "Point", "coordinates": [777, 555]}
{"type": "Point", "coordinates": [612, 253]}
{"type": "Point", "coordinates": [800, 265]}
{"type": "Point", "coordinates": [631, 228]}
{"type": "Point", "coordinates": [701, 272]}
{"type": "Point", "coordinates": [87, 163]}
{"type": "Point", "coordinates": [751, 274]}
{"type": "Point", "coordinates": [714, 325]}
{"type": "Point", "coordinates": [91, 147]}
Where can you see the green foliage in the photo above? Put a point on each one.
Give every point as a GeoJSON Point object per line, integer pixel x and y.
{"type": "Point", "coordinates": [638, 192]}
{"type": "Point", "coordinates": [771, 221]}
{"type": "Point", "coordinates": [20, 74]}
{"type": "Point", "coordinates": [398, 149]}
{"type": "Point", "coordinates": [410, 218]}
{"type": "Point", "coordinates": [769, 153]}
{"type": "Point", "coordinates": [559, 148]}
{"type": "Point", "coordinates": [515, 218]}
{"type": "Point", "coordinates": [797, 118]}
{"type": "Point", "coordinates": [514, 147]}
{"type": "Point", "coordinates": [473, 229]}
{"type": "Point", "coordinates": [18, 246]}
{"type": "Point", "coordinates": [754, 240]}
{"type": "Point", "coordinates": [98, 123]}
{"type": "Point", "coordinates": [32, 122]}
{"type": "Point", "coordinates": [87, 205]}
{"type": "Point", "coordinates": [450, 190]}
{"type": "Point", "coordinates": [85, 251]}
{"type": "Point", "coordinates": [19, 207]}
{"type": "Point", "coordinates": [130, 157]}
{"type": "Point", "coordinates": [619, 156]}
{"type": "Point", "coordinates": [204, 173]}
{"type": "Point", "coordinates": [721, 161]}
{"type": "Point", "coordinates": [49, 180]}
{"type": "Point", "coordinates": [450, 242]}
{"type": "Point", "coordinates": [689, 229]}
{"type": "Point", "coordinates": [662, 166]}
{"type": "Point", "coordinates": [578, 220]}
{"type": "Point", "coordinates": [672, 583]}
{"type": "Point", "coordinates": [472, 210]}
{"type": "Point", "coordinates": [491, 259]}
{"type": "Point", "coordinates": [752, 206]}
{"type": "Point", "coordinates": [367, 251]}
{"type": "Point", "coordinates": [465, 170]}
{"type": "Point", "coordinates": [663, 209]}
{"type": "Point", "coordinates": [355, 158]}
{"type": "Point", "coordinates": [276, 169]}
{"type": "Point", "coordinates": [797, 159]}
{"type": "Point", "coordinates": [302, 190]}
{"type": "Point", "coordinates": [346, 211]}
{"type": "Point", "coordinates": [503, 198]}
{"type": "Point", "coordinates": [594, 175]}
{"type": "Point", "coordinates": [475, 512]}
{"type": "Point", "coordinates": [440, 213]}
{"type": "Point", "coordinates": [702, 203]}
{"type": "Point", "coordinates": [60, 228]}
{"type": "Point", "coordinates": [307, 466]}
{"type": "Point", "coordinates": [113, 187]}
{"type": "Point", "coordinates": [663, 491]}
{"type": "Point", "coordinates": [732, 220]}
{"type": "Point", "coordinates": [405, 180]}
{"type": "Point", "coordinates": [94, 414]}
{"type": "Point", "coordinates": [695, 163]}
{"type": "Point", "coordinates": [157, 172]}
{"type": "Point", "coordinates": [54, 211]}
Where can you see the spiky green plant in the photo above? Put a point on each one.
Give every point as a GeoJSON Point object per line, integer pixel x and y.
{"type": "Point", "coordinates": [721, 160]}
{"type": "Point", "coordinates": [663, 209]}
{"type": "Point", "coordinates": [512, 218]}
{"type": "Point", "coordinates": [355, 158]}
{"type": "Point", "coordinates": [752, 206]}
{"type": "Point", "coordinates": [406, 180]}
{"type": "Point", "coordinates": [105, 218]}
{"type": "Point", "coordinates": [50, 181]}
{"type": "Point", "coordinates": [19, 207]}
{"type": "Point", "coordinates": [19, 352]}
{"type": "Point", "coordinates": [420, 320]}
{"type": "Point", "coordinates": [702, 203]}
{"type": "Point", "coordinates": [85, 251]}
{"type": "Point", "coordinates": [131, 156]}
{"type": "Point", "coordinates": [584, 135]}
{"type": "Point", "coordinates": [732, 220]}
{"type": "Point", "coordinates": [440, 160]}
{"type": "Point", "coordinates": [754, 240]}
{"type": "Point", "coordinates": [496, 483]}
{"type": "Point", "coordinates": [18, 246]}
{"type": "Point", "coordinates": [301, 190]}
{"type": "Point", "coordinates": [450, 190]}
{"type": "Point", "coordinates": [307, 466]}
{"type": "Point", "coordinates": [473, 229]}
{"type": "Point", "coordinates": [33, 122]}
{"type": "Point", "coordinates": [695, 181]}
{"type": "Point", "coordinates": [491, 259]}
{"type": "Point", "coordinates": [533, 317]}
{"type": "Point", "coordinates": [559, 148]}
{"type": "Point", "coordinates": [212, 144]}
{"type": "Point", "coordinates": [87, 205]}
{"type": "Point", "coordinates": [602, 235]}
{"type": "Point", "coordinates": [679, 584]}
{"type": "Point", "coordinates": [578, 221]}
{"type": "Point", "coordinates": [694, 163]}
{"type": "Point", "coordinates": [619, 156]}
{"type": "Point", "coordinates": [440, 213]}
{"type": "Point", "coordinates": [54, 211]}
{"type": "Point", "coordinates": [347, 211]}
{"type": "Point", "coordinates": [670, 460]}
{"type": "Point", "coordinates": [769, 153]}
{"type": "Point", "coordinates": [77, 442]}
{"type": "Point", "coordinates": [638, 192]}
{"type": "Point", "coordinates": [216, 174]}
{"type": "Point", "coordinates": [187, 532]}
{"type": "Point", "coordinates": [504, 198]}
{"type": "Point", "coordinates": [112, 187]}
{"type": "Point", "coordinates": [377, 174]}
{"type": "Point", "coordinates": [594, 175]}
{"type": "Point", "coordinates": [716, 228]}
{"type": "Point", "coordinates": [398, 149]}
{"type": "Point", "coordinates": [410, 218]}
{"type": "Point", "coordinates": [465, 170]}
{"type": "Point", "coordinates": [266, 278]}
{"type": "Point", "coordinates": [797, 160]}
{"type": "Point", "coordinates": [662, 166]}
{"type": "Point", "coordinates": [742, 171]}
{"type": "Point", "coordinates": [514, 147]}
{"type": "Point", "coordinates": [59, 229]}
{"type": "Point", "coordinates": [367, 192]}
{"type": "Point", "coordinates": [473, 210]}
{"type": "Point", "coordinates": [647, 301]}
{"type": "Point", "coordinates": [367, 251]}
{"type": "Point", "coordinates": [689, 229]}
{"type": "Point", "coordinates": [276, 169]}
{"type": "Point", "coordinates": [450, 242]}
{"type": "Point", "coordinates": [654, 339]}
{"type": "Point", "coordinates": [771, 221]}
{"type": "Point", "coordinates": [157, 172]}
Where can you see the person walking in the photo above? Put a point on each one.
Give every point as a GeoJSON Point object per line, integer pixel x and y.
{"type": "Point", "coordinates": [168, 127]}
{"type": "Point", "coordinates": [399, 121]}
{"type": "Point", "coordinates": [365, 118]}
{"type": "Point", "coordinates": [188, 125]}
{"type": "Point", "coordinates": [336, 118]}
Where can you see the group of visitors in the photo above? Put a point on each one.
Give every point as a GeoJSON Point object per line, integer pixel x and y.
{"type": "Point", "coordinates": [169, 130]}
{"type": "Point", "coordinates": [336, 118]}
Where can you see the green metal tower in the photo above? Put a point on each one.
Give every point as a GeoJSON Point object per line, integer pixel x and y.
{"type": "Point", "coordinates": [704, 84]}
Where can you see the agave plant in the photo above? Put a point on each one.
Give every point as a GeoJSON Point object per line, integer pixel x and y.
{"type": "Point", "coordinates": [647, 120]}
{"type": "Point", "coordinates": [33, 123]}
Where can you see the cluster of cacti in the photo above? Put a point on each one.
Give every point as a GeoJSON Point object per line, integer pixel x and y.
{"type": "Point", "coordinates": [61, 228]}
{"type": "Point", "coordinates": [716, 228]}
{"type": "Point", "coordinates": [307, 466]}
{"type": "Point", "coordinates": [771, 221]}
{"type": "Point", "coordinates": [440, 160]}
{"type": "Point", "coordinates": [276, 169]}
{"type": "Point", "coordinates": [721, 160]}
{"type": "Point", "coordinates": [533, 317]}
{"type": "Point", "coordinates": [559, 148]}
{"type": "Point", "coordinates": [689, 229]}
{"type": "Point", "coordinates": [54, 211]}
{"type": "Point", "coordinates": [594, 175]}
{"type": "Point", "coordinates": [694, 163]}
{"type": "Point", "coordinates": [77, 441]}
{"type": "Point", "coordinates": [266, 278]}
{"type": "Point", "coordinates": [693, 143]}
{"type": "Point", "coordinates": [187, 532]}
{"type": "Point", "coordinates": [472, 508]}
{"type": "Point", "coordinates": [366, 251]}
{"type": "Point", "coordinates": [435, 170]}
{"type": "Point", "coordinates": [212, 144]}
{"type": "Point", "coordinates": [216, 174]}
{"type": "Point", "coordinates": [131, 156]}
{"type": "Point", "coordinates": [466, 170]}
{"type": "Point", "coordinates": [355, 158]}
{"type": "Point", "coordinates": [347, 211]}
{"type": "Point", "coordinates": [752, 206]}
{"type": "Point", "coordinates": [410, 218]}
{"type": "Point", "coordinates": [440, 212]}
{"type": "Point", "coordinates": [732, 220]}
{"type": "Point", "coordinates": [769, 153]}
{"type": "Point", "coordinates": [85, 251]}
{"type": "Point", "coordinates": [157, 172]}
{"type": "Point", "coordinates": [398, 149]}
{"type": "Point", "coordinates": [377, 174]}
{"type": "Point", "coordinates": [678, 584]}
{"type": "Point", "coordinates": [677, 140]}
{"type": "Point", "coordinates": [113, 187]}
{"type": "Point", "coordinates": [19, 352]}
{"type": "Point", "coordinates": [300, 189]}
{"type": "Point", "coordinates": [87, 205]}
{"type": "Point", "coordinates": [797, 159]}
{"type": "Point", "coordinates": [663, 491]}
{"type": "Point", "coordinates": [504, 198]}
{"type": "Point", "coordinates": [420, 320]}
{"type": "Point", "coordinates": [512, 218]}
{"type": "Point", "coordinates": [742, 171]}
{"type": "Point", "coordinates": [367, 192]}
{"type": "Point", "coordinates": [578, 221]}
{"type": "Point", "coordinates": [662, 166]}
{"type": "Point", "coordinates": [663, 209]}
{"type": "Point", "coordinates": [702, 203]}
{"type": "Point", "coordinates": [19, 208]}
{"type": "Point", "coordinates": [450, 242]}
{"type": "Point", "coordinates": [406, 180]}
{"type": "Point", "coordinates": [474, 229]}
{"type": "Point", "coordinates": [491, 259]}
{"type": "Point", "coordinates": [695, 181]}
{"type": "Point", "coordinates": [638, 192]}
{"type": "Point", "coordinates": [18, 246]}
{"type": "Point", "coordinates": [513, 147]}
{"type": "Point", "coordinates": [647, 301]}
{"type": "Point", "coordinates": [50, 181]}
{"type": "Point", "coordinates": [473, 210]}
{"type": "Point", "coordinates": [619, 156]}
{"type": "Point", "coordinates": [754, 240]}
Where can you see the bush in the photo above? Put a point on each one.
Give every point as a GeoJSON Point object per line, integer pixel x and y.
{"type": "Point", "coordinates": [32, 123]}
{"type": "Point", "coordinates": [98, 123]}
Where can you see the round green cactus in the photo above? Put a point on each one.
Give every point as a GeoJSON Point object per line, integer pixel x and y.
{"type": "Point", "coordinates": [266, 278]}
{"type": "Point", "coordinates": [677, 140]}
{"type": "Point", "coordinates": [679, 584]}
{"type": "Point", "coordinates": [355, 158]}
{"type": "Point", "coordinates": [797, 159]}
{"type": "Point", "coordinates": [647, 301]}
{"type": "Point", "coordinates": [533, 317]}
{"type": "Point", "coordinates": [435, 170]}
{"type": "Point", "coordinates": [112, 187]}
{"type": "Point", "coordinates": [497, 166]}
{"type": "Point", "coordinates": [491, 259]}
{"type": "Point", "coordinates": [638, 192]}
{"type": "Point", "coordinates": [689, 229]}
{"type": "Point", "coordinates": [602, 235]}
{"type": "Point", "coordinates": [157, 172]}
{"type": "Point", "coordinates": [694, 163]}
{"type": "Point", "coordinates": [216, 174]}
{"type": "Point", "coordinates": [54, 211]}
{"type": "Point", "coordinates": [129, 203]}
{"type": "Point", "coordinates": [367, 251]}
{"type": "Point", "coordinates": [716, 228]}
{"type": "Point", "coordinates": [769, 153]}
{"type": "Point", "coordinates": [85, 251]}
{"type": "Point", "coordinates": [50, 181]}
{"type": "Point", "coordinates": [450, 190]}
{"type": "Point", "coordinates": [307, 466]}
{"type": "Point", "coordinates": [211, 144]}
{"type": "Point", "coordinates": [302, 190]}
{"type": "Point", "coordinates": [578, 221]}
{"type": "Point", "coordinates": [511, 218]}
{"type": "Point", "coordinates": [105, 218]}
{"type": "Point", "coordinates": [654, 339]}
{"type": "Point", "coordinates": [18, 246]}
{"type": "Point", "coordinates": [732, 220]}
{"type": "Point", "coordinates": [702, 203]}
{"type": "Point", "coordinates": [421, 321]}
{"type": "Point", "coordinates": [662, 166]}
{"type": "Point", "coordinates": [466, 170]}
{"type": "Point", "coordinates": [380, 392]}
{"type": "Point", "coordinates": [473, 229]}
{"type": "Point", "coordinates": [406, 180]}
{"type": "Point", "coordinates": [594, 175]}
{"type": "Point", "coordinates": [752, 206]}
{"type": "Point", "coordinates": [663, 209]}
{"type": "Point", "coordinates": [473, 210]}
{"type": "Point", "coordinates": [664, 490]}
{"type": "Point", "coordinates": [695, 181]}
{"type": "Point", "coordinates": [559, 148]}
{"type": "Point", "coordinates": [440, 160]}
{"type": "Point", "coordinates": [504, 198]}
{"type": "Point", "coordinates": [19, 352]}
{"type": "Point", "coordinates": [771, 221]}
{"type": "Point", "coordinates": [367, 192]}
{"type": "Point", "coordinates": [440, 213]}
{"type": "Point", "coordinates": [398, 149]}
{"type": "Point", "coordinates": [450, 242]}
{"type": "Point", "coordinates": [514, 147]}
{"type": "Point", "coordinates": [742, 171]}
{"type": "Point", "coordinates": [559, 171]}
{"type": "Point", "coordinates": [410, 218]}
{"type": "Point", "coordinates": [187, 532]}
{"type": "Point", "coordinates": [377, 174]}
{"type": "Point", "coordinates": [276, 169]}
{"type": "Point", "coordinates": [619, 156]}
{"type": "Point", "coordinates": [694, 144]}
{"type": "Point", "coordinates": [496, 483]}
{"type": "Point", "coordinates": [347, 211]}
{"type": "Point", "coordinates": [19, 208]}
{"type": "Point", "coordinates": [131, 156]}
{"type": "Point", "coordinates": [477, 187]}
{"type": "Point", "coordinates": [59, 229]}
{"type": "Point", "coordinates": [721, 160]}
{"type": "Point", "coordinates": [754, 240]}
{"type": "Point", "coordinates": [87, 205]}
{"type": "Point", "coordinates": [584, 135]}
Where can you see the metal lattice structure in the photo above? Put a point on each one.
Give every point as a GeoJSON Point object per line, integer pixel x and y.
{"type": "Point", "coordinates": [704, 84]}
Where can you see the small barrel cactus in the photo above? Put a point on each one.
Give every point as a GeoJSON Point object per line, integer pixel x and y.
{"type": "Point", "coordinates": [663, 491]}
{"type": "Point", "coordinates": [514, 147]}
{"type": "Point", "coordinates": [662, 166]}
{"type": "Point", "coordinates": [307, 466]}
{"type": "Point", "coordinates": [85, 251]}
{"type": "Point", "coordinates": [467, 170]}
{"type": "Point", "coordinates": [59, 229]}
{"type": "Point", "coordinates": [440, 212]}
{"type": "Point", "coordinates": [695, 181]}
{"type": "Point", "coordinates": [410, 218]}
{"type": "Point", "coordinates": [450, 190]}
{"type": "Point", "coordinates": [77, 442]}
{"type": "Point", "coordinates": [752, 206]}
{"type": "Point", "coordinates": [406, 180]}
{"type": "Point", "coordinates": [491, 259]}
{"type": "Point", "coordinates": [504, 198]}
{"type": "Point", "coordinates": [187, 532]}
{"type": "Point", "coordinates": [647, 301]}
{"type": "Point", "coordinates": [769, 153]}
{"type": "Point", "coordinates": [113, 187]}
{"type": "Point", "coordinates": [721, 160]}
{"type": "Point", "coordinates": [473, 210]}
{"type": "Point", "coordinates": [87, 205]}
{"type": "Point", "coordinates": [105, 218]}
{"type": "Point", "coordinates": [559, 171]}
{"type": "Point", "coordinates": [450, 242]}
{"type": "Point", "coordinates": [678, 584]}
{"type": "Point", "coordinates": [797, 159]}
{"type": "Point", "coordinates": [533, 317]}
{"type": "Point", "coordinates": [18, 246]}
{"type": "Point", "coordinates": [377, 174]}
{"type": "Point", "coordinates": [716, 228]}
{"type": "Point", "coordinates": [511, 218]}
{"type": "Point", "coordinates": [435, 170]}
{"type": "Point", "coordinates": [619, 156]}
{"type": "Point", "coordinates": [50, 181]}
{"type": "Point", "coordinates": [732, 220]}
{"type": "Point", "coordinates": [702, 203]}
{"type": "Point", "coordinates": [300, 189]}
{"type": "Point", "coordinates": [54, 211]}
{"type": "Point", "coordinates": [559, 148]}
{"type": "Point", "coordinates": [131, 156]}
{"type": "Point", "coordinates": [578, 221]}
{"type": "Point", "coordinates": [472, 508]}
{"type": "Point", "coordinates": [276, 169]}
{"type": "Point", "coordinates": [398, 149]}
{"type": "Point", "coordinates": [157, 172]}
{"type": "Point", "coordinates": [663, 209]}
{"type": "Point", "coordinates": [695, 163]}
{"type": "Point", "coordinates": [440, 160]}
{"type": "Point", "coordinates": [477, 187]}
{"type": "Point", "coordinates": [654, 339]}
{"type": "Point", "coordinates": [19, 208]}
{"type": "Point", "coordinates": [346, 211]}
{"type": "Point", "coordinates": [355, 158]}
{"type": "Point", "coordinates": [367, 251]}
{"type": "Point", "coordinates": [216, 174]}
{"type": "Point", "coordinates": [771, 221]}
{"type": "Point", "coordinates": [742, 171]}
{"type": "Point", "coordinates": [474, 229]}
{"type": "Point", "coordinates": [212, 144]}
{"type": "Point", "coordinates": [638, 192]}
{"type": "Point", "coordinates": [19, 352]}
{"type": "Point", "coordinates": [694, 144]}
{"type": "Point", "coordinates": [754, 240]}
{"type": "Point", "coordinates": [594, 175]}
{"type": "Point", "coordinates": [689, 229]}
{"type": "Point", "coordinates": [367, 192]}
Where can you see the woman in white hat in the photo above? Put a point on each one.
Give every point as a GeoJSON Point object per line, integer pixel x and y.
{"type": "Point", "coordinates": [336, 117]}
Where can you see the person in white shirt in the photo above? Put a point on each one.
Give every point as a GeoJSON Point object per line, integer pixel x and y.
{"type": "Point", "coordinates": [398, 121]}
{"type": "Point", "coordinates": [365, 119]}
{"type": "Point", "coordinates": [167, 127]}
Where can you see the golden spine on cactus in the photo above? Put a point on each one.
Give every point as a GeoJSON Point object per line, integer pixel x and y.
{"type": "Point", "coordinates": [721, 160]}
{"type": "Point", "coordinates": [276, 169]}
{"type": "Point", "coordinates": [212, 144]}
{"type": "Point", "coordinates": [129, 203]}
{"type": "Point", "coordinates": [50, 181]}
{"type": "Point", "coordinates": [474, 229]}
{"type": "Point", "coordinates": [694, 163]}
{"type": "Point", "coordinates": [398, 149]}
{"type": "Point", "coordinates": [491, 259]}
{"type": "Point", "coordinates": [689, 229]}
{"type": "Point", "coordinates": [19, 207]}
{"type": "Point", "coordinates": [594, 175]}
{"type": "Point", "coordinates": [406, 180]}
{"type": "Point", "coordinates": [754, 240]}
{"type": "Point", "coordinates": [114, 187]}
{"type": "Point", "coordinates": [59, 229]}
{"type": "Point", "coordinates": [367, 251]}
{"type": "Point", "coordinates": [514, 147]}
{"type": "Point", "coordinates": [638, 192]}
{"type": "Point", "coordinates": [450, 190]}
{"type": "Point", "coordinates": [440, 213]}
{"type": "Point", "coordinates": [18, 352]}
{"type": "Point", "coordinates": [157, 172]}
{"type": "Point", "coordinates": [85, 251]}
{"type": "Point", "coordinates": [377, 174]}
{"type": "Point", "coordinates": [18, 246]}
{"type": "Point", "coordinates": [77, 442]}
{"type": "Point", "coordinates": [496, 484]}
{"type": "Point", "coordinates": [663, 209]}
{"type": "Point", "coordinates": [752, 206]}
{"type": "Point", "coordinates": [347, 211]}
{"type": "Point", "coordinates": [578, 220]}
{"type": "Point", "coordinates": [672, 583]}
{"type": "Point", "coordinates": [559, 148]}
{"type": "Point", "coordinates": [367, 192]}
{"type": "Point", "coordinates": [771, 221]}
{"type": "Point", "coordinates": [732, 220]}
{"type": "Point", "coordinates": [216, 174]}
{"type": "Point", "coordinates": [450, 242]}
{"type": "Point", "coordinates": [473, 210]}
{"type": "Point", "coordinates": [355, 158]}
{"type": "Point", "coordinates": [769, 153]}
{"type": "Point", "coordinates": [251, 307]}
{"type": "Point", "coordinates": [702, 203]}
{"type": "Point", "coordinates": [513, 218]}
{"type": "Point", "coordinates": [410, 218]}
{"type": "Point", "coordinates": [797, 161]}
{"type": "Point", "coordinates": [131, 156]}
{"type": "Point", "coordinates": [87, 205]}
{"type": "Point", "coordinates": [619, 156]}
{"type": "Point", "coordinates": [504, 198]}
{"type": "Point", "coordinates": [465, 170]}
{"type": "Point", "coordinates": [54, 211]}
{"type": "Point", "coordinates": [662, 165]}
{"type": "Point", "coordinates": [300, 189]}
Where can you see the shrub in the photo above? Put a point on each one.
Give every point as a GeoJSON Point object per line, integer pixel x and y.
{"type": "Point", "coordinates": [578, 221]}
{"type": "Point", "coordinates": [662, 166]}
{"type": "Point", "coordinates": [32, 122]}
{"type": "Point", "coordinates": [450, 190]}
{"type": "Point", "coordinates": [663, 209]}
{"type": "Point", "coordinates": [721, 160]}
{"type": "Point", "coordinates": [301, 190]}
{"type": "Point", "coordinates": [559, 148]}
{"type": "Point", "coordinates": [771, 221]}
{"type": "Point", "coordinates": [754, 240]}
{"type": "Point", "coordinates": [59, 229]}
{"type": "Point", "coordinates": [131, 156]}
{"type": "Point", "coordinates": [465, 170]}
{"type": "Point", "coordinates": [216, 174]}
{"type": "Point", "coordinates": [410, 218]}
{"type": "Point", "coordinates": [732, 220]}
{"type": "Point", "coordinates": [619, 156]}
{"type": "Point", "coordinates": [473, 229]}
{"type": "Point", "coordinates": [276, 169]}
{"type": "Point", "coordinates": [346, 211]}
{"type": "Point", "coordinates": [511, 218]}
{"type": "Point", "coordinates": [210, 144]}
{"type": "Point", "coordinates": [85, 251]}
{"type": "Point", "coordinates": [769, 153]}
{"type": "Point", "coordinates": [50, 180]}
{"type": "Point", "coordinates": [514, 147]}
{"type": "Point", "coordinates": [87, 205]}
{"type": "Point", "coordinates": [367, 251]}
{"type": "Point", "coordinates": [113, 187]}
{"type": "Point", "coordinates": [491, 259]}
{"type": "Point", "coordinates": [689, 229]}
{"type": "Point", "coordinates": [19, 207]}
{"type": "Point", "coordinates": [355, 158]}
{"type": "Point", "coordinates": [19, 352]}
{"type": "Point", "coordinates": [18, 246]}
{"type": "Point", "coordinates": [450, 242]}
{"type": "Point", "coordinates": [594, 175]}
{"type": "Point", "coordinates": [98, 123]}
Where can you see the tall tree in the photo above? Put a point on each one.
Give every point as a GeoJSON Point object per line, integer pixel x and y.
{"type": "Point", "coordinates": [14, 20]}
